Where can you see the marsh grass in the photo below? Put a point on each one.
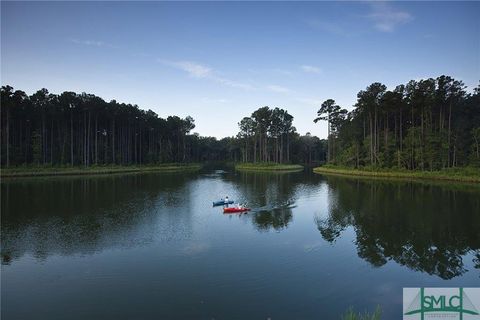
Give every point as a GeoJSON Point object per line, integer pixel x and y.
{"type": "Point", "coordinates": [352, 315]}
{"type": "Point", "coordinates": [268, 166]}
{"type": "Point", "coordinates": [31, 171]}
{"type": "Point", "coordinates": [467, 174]}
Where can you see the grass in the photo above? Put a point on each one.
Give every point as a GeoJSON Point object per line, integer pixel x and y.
{"type": "Point", "coordinates": [352, 315]}
{"type": "Point", "coordinates": [268, 166]}
{"type": "Point", "coordinates": [34, 171]}
{"type": "Point", "coordinates": [467, 174]}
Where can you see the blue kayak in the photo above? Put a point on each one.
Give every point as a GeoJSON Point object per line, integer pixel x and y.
{"type": "Point", "coordinates": [222, 202]}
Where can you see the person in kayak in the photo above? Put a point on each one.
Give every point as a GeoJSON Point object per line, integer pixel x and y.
{"type": "Point", "coordinates": [226, 200]}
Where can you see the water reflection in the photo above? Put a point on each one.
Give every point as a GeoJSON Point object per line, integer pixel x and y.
{"type": "Point", "coordinates": [96, 241]}
{"type": "Point", "coordinates": [273, 195]}
{"type": "Point", "coordinates": [83, 215]}
{"type": "Point", "coordinates": [426, 228]}
{"type": "Point", "coordinates": [276, 219]}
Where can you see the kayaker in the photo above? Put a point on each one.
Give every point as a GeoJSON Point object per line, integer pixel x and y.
{"type": "Point", "coordinates": [226, 200]}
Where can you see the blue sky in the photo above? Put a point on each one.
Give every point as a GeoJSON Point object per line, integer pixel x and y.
{"type": "Point", "coordinates": [219, 61]}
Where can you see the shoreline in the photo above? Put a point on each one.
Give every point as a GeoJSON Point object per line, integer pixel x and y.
{"type": "Point", "coordinates": [457, 176]}
{"type": "Point", "coordinates": [75, 171]}
{"type": "Point", "coordinates": [268, 167]}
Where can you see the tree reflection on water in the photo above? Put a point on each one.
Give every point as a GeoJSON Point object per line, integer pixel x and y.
{"type": "Point", "coordinates": [426, 228]}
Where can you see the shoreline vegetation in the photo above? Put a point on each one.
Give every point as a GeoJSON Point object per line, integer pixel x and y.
{"type": "Point", "coordinates": [38, 171]}
{"type": "Point", "coordinates": [465, 174]}
{"type": "Point", "coordinates": [268, 166]}
{"type": "Point", "coordinates": [425, 129]}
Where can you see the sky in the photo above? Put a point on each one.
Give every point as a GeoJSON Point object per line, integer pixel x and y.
{"type": "Point", "coordinates": [220, 61]}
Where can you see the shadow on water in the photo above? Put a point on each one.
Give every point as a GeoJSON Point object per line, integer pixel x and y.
{"type": "Point", "coordinates": [83, 215]}
{"type": "Point", "coordinates": [426, 228]}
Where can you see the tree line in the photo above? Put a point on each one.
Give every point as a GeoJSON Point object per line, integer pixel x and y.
{"type": "Point", "coordinates": [427, 124]}
{"type": "Point", "coordinates": [83, 129]}
{"type": "Point", "coordinates": [268, 135]}
{"type": "Point", "coordinates": [71, 129]}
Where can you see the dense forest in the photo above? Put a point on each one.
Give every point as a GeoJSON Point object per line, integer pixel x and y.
{"type": "Point", "coordinates": [423, 125]}
{"type": "Point", "coordinates": [269, 136]}
{"type": "Point", "coordinates": [428, 124]}
{"type": "Point", "coordinates": [73, 129]}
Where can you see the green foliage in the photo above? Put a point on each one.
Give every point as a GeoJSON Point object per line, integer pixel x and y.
{"type": "Point", "coordinates": [47, 170]}
{"type": "Point", "coordinates": [335, 117]}
{"type": "Point", "coordinates": [268, 136]}
{"type": "Point", "coordinates": [475, 148]}
{"type": "Point", "coordinates": [37, 147]}
{"type": "Point", "coordinates": [350, 155]}
{"type": "Point", "coordinates": [425, 125]}
{"type": "Point", "coordinates": [352, 315]}
{"type": "Point", "coordinates": [465, 174]}
{"type": "Point", "coordinates": [83, 129]}
{"type": "Point", "coordinates": [268, 166]}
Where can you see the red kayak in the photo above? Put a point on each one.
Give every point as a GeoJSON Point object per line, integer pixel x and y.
{"type": "Point", "coordinates": [233, 210]}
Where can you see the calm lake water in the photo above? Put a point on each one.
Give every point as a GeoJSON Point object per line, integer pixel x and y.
{"type": "Point", "coordinates": [151, 246]}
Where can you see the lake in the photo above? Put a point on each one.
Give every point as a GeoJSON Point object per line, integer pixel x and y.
{"type": "Point", "coordinates": [151, 246]}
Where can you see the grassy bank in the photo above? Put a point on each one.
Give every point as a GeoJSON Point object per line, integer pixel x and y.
{"type": "Point", "coordinates": [60, 171]}
{"type": "Point", "coordinates": [268, 166]}
{"type": "Point", "coordinates": [452, 174]}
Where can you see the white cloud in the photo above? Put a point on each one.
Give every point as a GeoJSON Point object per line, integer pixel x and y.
{"type": "Point", "coordinates": [231, 83]}
{"type": "Point", "coordinates": [197, 70]}
{"type": "Point", "coordinates": [310, 69]}
{"type": "Point", "coordinates": [94, 43]}
{"type": "Point", "coordinates": [193, 69]}
{"type": "Point", "coordinates": [386, 18]}
{"type": "Point", "coordinates": [330, 27]}
{"type": "Point", "coordinates": [283, 72]}
{"type": "Point", "coordinates": [278, 89]}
